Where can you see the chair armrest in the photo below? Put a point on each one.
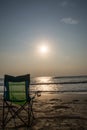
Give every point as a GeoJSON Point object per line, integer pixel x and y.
{"type": "Point", "coordinates": [37, 93]}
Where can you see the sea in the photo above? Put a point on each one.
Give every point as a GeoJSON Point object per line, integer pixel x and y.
{"type": "Point", "coordinates": [64, 84]}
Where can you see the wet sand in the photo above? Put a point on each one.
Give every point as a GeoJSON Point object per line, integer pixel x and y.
{"type": "Point", "coordinates": [57, 112]}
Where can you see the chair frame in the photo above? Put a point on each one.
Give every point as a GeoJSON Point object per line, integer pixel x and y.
{"type": "Point", "coordinates": [7, 103]}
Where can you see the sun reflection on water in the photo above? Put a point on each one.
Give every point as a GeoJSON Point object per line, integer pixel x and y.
{"type": "Point", "coordinates": [43, 79]}
{"type": "Point", "coordinates": [45, 87]}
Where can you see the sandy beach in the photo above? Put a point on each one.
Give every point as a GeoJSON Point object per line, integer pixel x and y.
{"type": "Point", "coordinates": [57, 112]}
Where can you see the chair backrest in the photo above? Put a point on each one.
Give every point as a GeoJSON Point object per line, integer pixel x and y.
{"type": "Point", "coordinates": [16, 89]}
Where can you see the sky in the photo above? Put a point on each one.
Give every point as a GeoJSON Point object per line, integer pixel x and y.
{"type": "Point", "coordinates": [58, 25]}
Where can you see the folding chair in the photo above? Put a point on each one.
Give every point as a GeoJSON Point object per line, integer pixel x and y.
{"type": "Point", "coordinates": [17, 103]}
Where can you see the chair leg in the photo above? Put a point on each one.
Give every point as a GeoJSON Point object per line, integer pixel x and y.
{"type": "Point", "coordinates": [28, 114]}
{"type": "Point", "coordinates": [16, 113]}
{"type": "Point", "coordinates": [32, 110]}
{"type": "Point", "coordinates": [13, 119]}
{"type": "Point", "coordinates": [3, 124]}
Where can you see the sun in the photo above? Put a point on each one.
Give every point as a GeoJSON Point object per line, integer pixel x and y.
{"type": "Point", "coordinates": [43, 49]}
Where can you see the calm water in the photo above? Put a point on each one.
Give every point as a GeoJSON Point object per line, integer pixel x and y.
{"type": "Point", "coordinates": [75, 84]}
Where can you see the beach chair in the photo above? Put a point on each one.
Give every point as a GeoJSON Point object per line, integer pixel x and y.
{"type": "Point", "coordinates": [17, 103]}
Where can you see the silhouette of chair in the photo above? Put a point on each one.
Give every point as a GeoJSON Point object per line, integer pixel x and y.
{"type": "Point", "coordinates": [17, 103]}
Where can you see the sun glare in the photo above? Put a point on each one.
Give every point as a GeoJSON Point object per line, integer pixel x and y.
{"type": "Point", "coordinates": [43, 49]}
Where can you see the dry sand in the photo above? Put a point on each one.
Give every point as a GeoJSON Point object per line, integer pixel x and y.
{"type": "Point", "coordinates": [58, 112]}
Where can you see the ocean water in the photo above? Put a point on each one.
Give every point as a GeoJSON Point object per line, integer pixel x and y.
{"type": "Point", "coordinates": [67, 84]}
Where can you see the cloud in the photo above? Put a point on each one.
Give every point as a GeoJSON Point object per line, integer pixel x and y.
{"type": "Point", "coordinates": [69, 21]}
{"type": "Point", "coordinates": [64, 3]}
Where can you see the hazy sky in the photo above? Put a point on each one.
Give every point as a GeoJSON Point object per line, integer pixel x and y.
{"type": "Point", "coordinates": [60, 25]}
